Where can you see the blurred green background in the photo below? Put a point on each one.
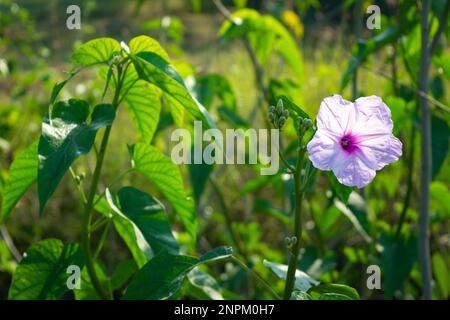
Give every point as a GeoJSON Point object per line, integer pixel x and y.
{"type": "Point", "coordinates": [35, 48]}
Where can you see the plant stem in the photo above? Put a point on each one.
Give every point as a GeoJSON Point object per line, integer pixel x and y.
{"type": "Point", "coordinates": [292, 267]}
{"type": "Point", "coordinates": [425, 178]}
{"type": "Point", "coordinates": [286, 163]}
{"type": "Point", "coordinates": [256, 276]}
{"type": "Point", "coordinates": [87, 215]}
{"type": "Point", "coordinates": [102, 239]}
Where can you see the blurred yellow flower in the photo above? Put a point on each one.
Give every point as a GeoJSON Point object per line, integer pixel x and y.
{"type": "Point", "coordinates": [293, 22]}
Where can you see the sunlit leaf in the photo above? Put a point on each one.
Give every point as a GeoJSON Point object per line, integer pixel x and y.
{"type": "Point", "coordinates": [138, 246]}
{"type": "Point", "coordinates": [143, 101]}
{"type": "Point", "coordinates": [65, 136]}
{"type": "Point", "coordinates": [265, 34]}
{"type": "Point", "coordinates": [204, 282]}
{"type": "Point", "coordinates": [161, 171]}
{"type": "Point", "coordinates": [441, 273]}
{"type": "Point", "coordinates": [165, 274]}
{"type": "Point", "coordinates": [147, 216]}
{"type": "Point", "coordinates": [154, 69]}
{"type": "Point", "coordinates": [42, 273]}
{"type": "Point", "coordinates": [96, 51]}
{"type": "Point", "coordinates": [21, 175]}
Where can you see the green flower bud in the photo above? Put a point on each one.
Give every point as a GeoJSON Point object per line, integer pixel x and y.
{"type": "Point", "coordinates": [307, 123]}
{"type": "Point", "coordinates": [271, 109]}
{"type": "Point", "coordinates": [280, 107]}
{"type": "Point", "coordinates": [280, 104]}
{"type": "Point", "coordinates": [286, 113]}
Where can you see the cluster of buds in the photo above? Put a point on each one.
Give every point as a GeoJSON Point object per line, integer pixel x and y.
{"type": "Point", "coordinates": [305, 123]}
{"type": "Point", "coordinates": [278, 115]}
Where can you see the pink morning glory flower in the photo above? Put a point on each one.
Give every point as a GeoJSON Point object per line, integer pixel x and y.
{"type": "Point", "coordinates": [354, 140]}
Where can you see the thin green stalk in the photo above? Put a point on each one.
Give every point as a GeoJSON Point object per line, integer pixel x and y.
{"type": "Point", "coordinates": [102, 239]}
{"type": "Point", "coordinates": [286, 163]}
{"type": "Point", "coordinates": [257, 277]}
{"type": "Point", "coordinates": [78, 185]}
{"type": "Point", "coordinates": [87, 215]}
{"type": "Point", "coordinates": [292, 267]}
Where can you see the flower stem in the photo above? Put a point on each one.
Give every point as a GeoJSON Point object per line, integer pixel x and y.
{"type": "Point", "coordinates": [294, 250]}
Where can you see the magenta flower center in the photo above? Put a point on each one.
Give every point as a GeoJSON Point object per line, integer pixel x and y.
{"type": "Point", "coordinates": [348, 143]}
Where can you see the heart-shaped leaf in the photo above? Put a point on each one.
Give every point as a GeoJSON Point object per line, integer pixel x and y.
{"type": "Point", "coordinates": [165, 274]}
{"type": "Point", "coordinates": [65, 136]}
{"type": "Point", "coordinates": [42, 273]}
{"type": "Point", "coordinates": [147, 216]}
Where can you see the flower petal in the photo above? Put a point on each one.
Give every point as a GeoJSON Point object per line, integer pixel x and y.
{"type": "Point", "coordinates": [352, 171]}
{"type": "Point", "coordinates": [373, 116]}
{"type": "Point", "coordinates": [335, 115]}
{"type": "Point", "coordinates": [379, 151]}
{"type": "Point", "coordinates": [321, 150]}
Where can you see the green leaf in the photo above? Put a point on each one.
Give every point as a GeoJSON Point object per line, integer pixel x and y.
{"type": "Point", "coordinates": [294, 110]}
{"type": "Point", "coordinates": [397, 260]}
{"type": "Point", "coordinates": [441, 274]}
{"type": "Point", "coordinates": [232, 118]}
{"type": "Point", "coordinates": [365, 48]}
{"type": "Point", "coordinates": [147, 216]}
{"type": "Point", "coordinates": [165, 274]}
{"type": "Point", "coordinates": [299, 295]}
{"type": "Point", "coordinates": [443, 62]}
{"type": "Point", "coordinates": [138, 246]}
{"type": "Point", "coordinates": [199, 176]}
{"type": "Point", "coordinates": [160, 170]}
{"type": "Point", "coordinates": [123, 272]}
{"type": "Point", "coordinates": [22, 174]}
{"type": "Point", "coordinates": [204, 283]}
{"type": "Point", "coordinates": [341, 191]}
{"type": "Point", "coordinates": [65, 136]}
{"type": "Point", "coordinates": [87, 290]}
{"type": "Point", "coordinates": [42, 273]}
{"type": "Point", "coordinates": [156, 70]}
{"type": "Point", "coordinates": [332, 291]}
{"type": "Point", "coordinates": [439, 143]}
{"type": "Point", "coordinates": [145, 43]}
{"type": "Point", "coordinates": [210, 86]}
{"type": "Point", "coordinates": [353, 219]}
{"type": "Point", "coordinates": [303, 282]}
{"type": "Point", "coordinates": [143, 101]}
{"type": "Point", "coordinates": [96, 51]}
{"type": "Point", "coordinates": [439, 202]}
{"type": "Point", "coordinates": [265, 34]}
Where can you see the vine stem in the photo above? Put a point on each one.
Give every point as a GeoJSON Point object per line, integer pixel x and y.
{"type": "Point", "coordinates": [87, 214]}
{"type": "Point", "coordinates": [292, 267]}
